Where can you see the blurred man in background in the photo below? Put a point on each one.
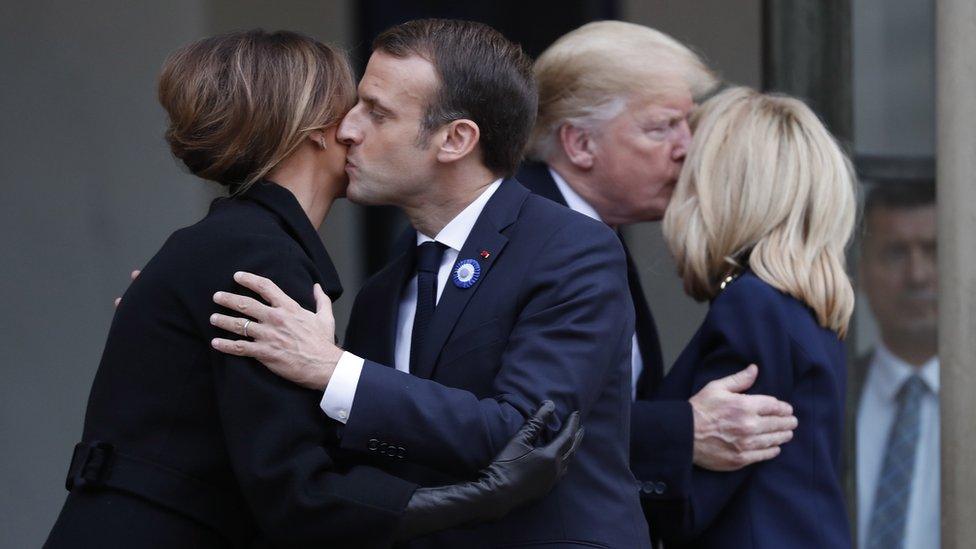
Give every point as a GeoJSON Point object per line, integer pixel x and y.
{"type": "Point", "coordinates": [897, 436]}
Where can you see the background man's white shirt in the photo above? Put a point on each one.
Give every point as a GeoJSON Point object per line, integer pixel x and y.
{"type": "Point", "coordinates": [338, 398]}
{"type": "Point", "coordinates": [876, 413]}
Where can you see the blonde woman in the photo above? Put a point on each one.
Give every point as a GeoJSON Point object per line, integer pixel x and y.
{"type": "Point", "coordinates": [758, 225]}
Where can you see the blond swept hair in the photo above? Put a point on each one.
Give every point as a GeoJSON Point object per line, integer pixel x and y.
{"type": "Point", "coordinates": [765, 183]}
{"type": "Point", "coordinates": [588, 75]}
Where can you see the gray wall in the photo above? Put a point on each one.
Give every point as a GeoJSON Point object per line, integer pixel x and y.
{"type": "Point", "coordinates": [728, 35]}
{"type": "Point", "coordinates": [90, 192]}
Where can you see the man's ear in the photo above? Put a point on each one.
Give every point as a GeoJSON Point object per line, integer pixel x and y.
{"type": "Point", "coordinates": [577, 145]}
{"type": "Point", "coordinates": [460, 138]}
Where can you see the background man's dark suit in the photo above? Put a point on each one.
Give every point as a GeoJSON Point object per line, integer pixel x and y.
{"type": "Point", "coordinates": [213, 449]}
{"type": "Point", "coordinates": [661, 430]}
{"type": "Point", "coordinates": [549, 318]}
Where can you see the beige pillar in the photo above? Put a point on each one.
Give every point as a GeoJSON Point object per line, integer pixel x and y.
{"type": "Point", "coordinates": [956, 176]}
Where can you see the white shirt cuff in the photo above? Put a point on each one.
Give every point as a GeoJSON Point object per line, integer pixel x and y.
{"type": "Point", "coordinates": [341, 390]}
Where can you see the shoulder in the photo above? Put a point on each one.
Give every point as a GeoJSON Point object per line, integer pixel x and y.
{"type": "Point", "coordinates": [555, 223]}
{"type": "Point", "coordinates": [233, 226]}
{"type": "Point", "coordinates": [749, 313]}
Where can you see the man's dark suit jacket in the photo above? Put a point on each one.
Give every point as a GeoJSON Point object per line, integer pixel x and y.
{"type": "Point", "coordinates": [549, 318]}
{"type": "Point", "coordinates": [213, 450]}
{"type": "Point", "coordinates": [661, 429]}
{"type": "Point", "coordinates": [794, 500]}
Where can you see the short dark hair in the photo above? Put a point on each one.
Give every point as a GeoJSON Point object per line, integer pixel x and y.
{"type": "Point", "coordinates": [484, 77]}
{"type": "Point", "coordinates": [240, 103]}
{"type": "Point", "coordinates": [896, 194]}
{"type": "Point", "coordinates": [899, 194]}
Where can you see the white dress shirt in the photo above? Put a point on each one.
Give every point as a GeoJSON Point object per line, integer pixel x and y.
{"type": "Point", "coordinates": [341, 390]}
{"type": "Point", "coordinates": [579, 204]}
{"type": "Point", "coordinates": [876, 413]}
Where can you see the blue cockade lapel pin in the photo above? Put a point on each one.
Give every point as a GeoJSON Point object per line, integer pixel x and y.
{"type": "Point", "coordinates": [466, 273]}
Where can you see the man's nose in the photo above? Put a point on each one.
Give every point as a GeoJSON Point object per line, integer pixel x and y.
{"type": "Point", "coordinates": [348, 133]}
{"type": "Point", "coordinates": [921, 267]}
{"type": "Point", "coordinates": [682, 142]}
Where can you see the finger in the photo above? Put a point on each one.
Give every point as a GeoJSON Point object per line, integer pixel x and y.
{"type": "Point", "coordinates": [755, 456]}
{"type": "Point", "coordinates": [117, 301]}
{"type": "Point", "coordinates": [323, 305]}
{"type": "Point", "coordinates": [564, 439]}
{"type": "Point", "coordinates": [576, 431]}
{"type": "Point", "coordinates": [739, 381]}
{"type": "Point", "coordinates": [236, 325]}
{"type": "Point", "coordinates": [243, 304]}
{"type": "Point", "coordinates": [237, 347]}
{"type": "Point", "coordinates": [568, 456]}
{"type": "Point", "coordinates": [768, 406]}
{"type": "Point", "coordinates": [134, 274]}
{"type": "Point", "coordinates": [773, 424]}
{"type": "Point", "coordinates": [265, 288]}
{"type": "Point", "coordinates": [769, 440]}
{"type": "Point", "coordinates": [531, 429]}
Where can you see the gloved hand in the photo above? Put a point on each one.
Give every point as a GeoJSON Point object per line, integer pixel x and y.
{"type": "Point", "coordinates": [520, 473]}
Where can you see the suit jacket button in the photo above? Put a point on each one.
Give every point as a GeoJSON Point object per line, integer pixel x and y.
{"type": "Point", "coordinates": [647, 487]}
{"type": "Point", "coordinates": [660, 488]}
{"type": "Point", "coordinates": [373, 444]}
{"type": "Point", "coordinates": [401, 453]}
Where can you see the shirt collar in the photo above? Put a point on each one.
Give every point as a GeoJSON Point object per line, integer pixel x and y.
{"type": "Point", "coordinates": [457, 230]}
{"type": "Point", "coordinates": [891, 372]}
{"type": "Point", "coordinates": [573, 199]}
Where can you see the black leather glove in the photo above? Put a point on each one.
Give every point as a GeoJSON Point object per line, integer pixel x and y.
{"type": "Point", "coordinates": [520, 473]}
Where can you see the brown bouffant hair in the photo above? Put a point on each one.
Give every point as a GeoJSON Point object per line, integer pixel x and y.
{"type": "Point", "coordinates": [484, 78]}
{"type": "Point", "coordinates": [240, 103]}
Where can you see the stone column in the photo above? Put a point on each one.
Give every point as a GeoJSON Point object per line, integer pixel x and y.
{"type": "Point", "coordinates": [956, 179]}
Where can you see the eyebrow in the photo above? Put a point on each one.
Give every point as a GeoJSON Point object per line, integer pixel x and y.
{"type": "Point", "coordinates": [373, 102]}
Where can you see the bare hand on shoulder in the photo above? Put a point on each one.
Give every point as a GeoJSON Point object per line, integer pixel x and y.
{"type": "Point", "coordinates": [289, 340]}
{"type": "Point", "coordinates": [733, 430]}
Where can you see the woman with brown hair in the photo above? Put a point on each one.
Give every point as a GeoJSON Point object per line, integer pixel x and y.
{"type": "Point", "coordinates": [187, 447]}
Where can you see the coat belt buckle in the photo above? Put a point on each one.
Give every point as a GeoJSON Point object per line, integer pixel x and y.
{"type": "Point", "coordinates": [89, 465]}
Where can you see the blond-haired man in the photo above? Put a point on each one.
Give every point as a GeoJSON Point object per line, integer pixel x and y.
{"type": "Point", "coordinates": [610, 139]}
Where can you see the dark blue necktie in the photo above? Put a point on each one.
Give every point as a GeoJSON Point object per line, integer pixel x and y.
{"type": "Point", "coordinates": [890, 510]}
{"type": "Point", "coordinates": [429, 256]}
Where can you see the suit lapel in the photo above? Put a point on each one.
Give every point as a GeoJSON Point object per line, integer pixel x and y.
{"type": "Point", "coordinates": [538, 179]}
{"type": "Point", "coordinates": [499, 213]}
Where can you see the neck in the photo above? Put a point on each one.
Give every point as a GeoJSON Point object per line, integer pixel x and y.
{"type": "Point", "coordinates": [913, 350]}
{"type": "Point", "coordinates": [305, 182]}
{"type": "Point", "coordinates": [448, 196]}
{"type": "Point", "coordinates": [583, 185]}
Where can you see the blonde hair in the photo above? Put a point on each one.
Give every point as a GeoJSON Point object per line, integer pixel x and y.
{"type": "Point", "coordinates": [240, 103]}
{"type": "Point", "coordinates": [764, 182]}
{"type": "Point", "coordinates": [588, 75]}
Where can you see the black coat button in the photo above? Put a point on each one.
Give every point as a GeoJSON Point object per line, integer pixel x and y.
{"type": "Point", "coordinates": [647, 487]}
{"type": "Point", "coordinates": [373, 444]}
{"type": "Point", "coordinates": [660, 488]}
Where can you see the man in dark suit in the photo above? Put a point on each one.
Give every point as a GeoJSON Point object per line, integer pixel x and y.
{"type": "Point", "coordinates": [613, 150]}
{"type": "Point", "coordinates": [506, 300]}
